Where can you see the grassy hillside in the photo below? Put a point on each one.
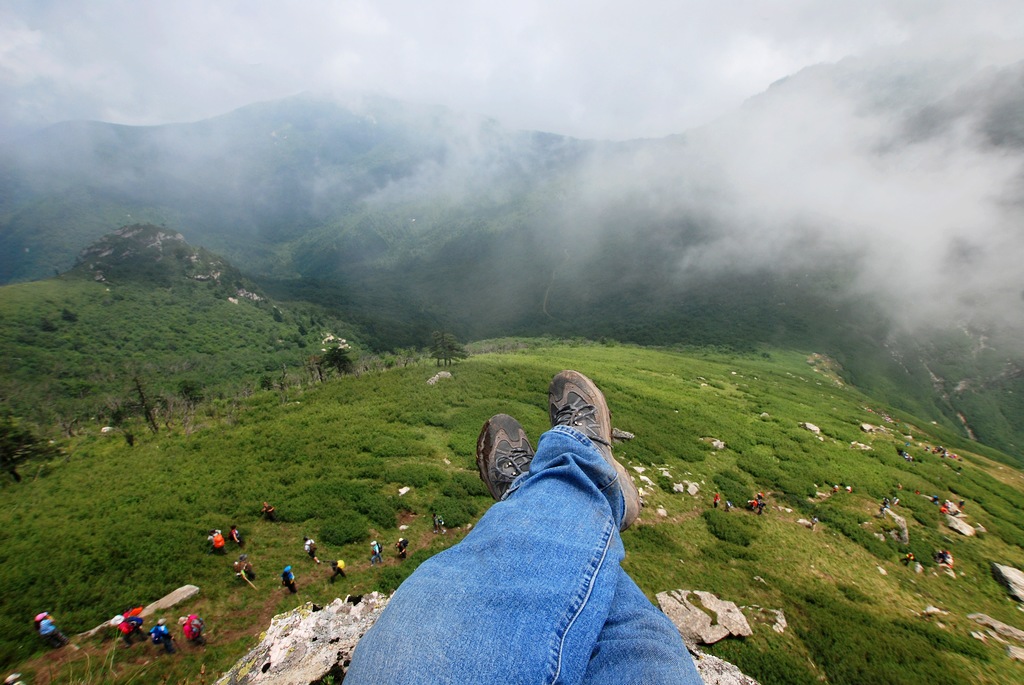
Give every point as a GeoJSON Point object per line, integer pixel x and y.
{"type": "Point", "coordinates": [110, 525]}
{"type": "Point", "coordinates": [71, 347]}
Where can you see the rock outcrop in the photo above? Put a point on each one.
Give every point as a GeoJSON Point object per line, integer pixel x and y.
{"type": "Point", "coordinates": [1012, 578]}
{"type": "Point", "coordinates": [904, 535]}
{"type": "Point", "coordinates": [305, 644]}
{"type": "Point", "coordinates": [715, 671]}
{"type": "Point", "coordinates": [695, 625]}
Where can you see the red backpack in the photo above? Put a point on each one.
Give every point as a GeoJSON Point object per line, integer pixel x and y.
{"type": "Point", "coordinates": [218, 540]}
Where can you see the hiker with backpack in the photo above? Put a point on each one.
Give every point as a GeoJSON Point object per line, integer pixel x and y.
{"type": "Point", "coordinates": [288, 579]}
{"type": "Point", "coordinates": [235, 536]}
{"type": "Point", "coordinates": [160, 635]}
{"type": "Point", "coordinates": [402, 545]}
{"type": "Point", "coordinates": [375, 550]}
{"type": "Point", "coordinates": [243, 568]}
{"type": "Point", "coordinates": [216, 540]}
{"type": "Point", "coordinates": [268, 512]}
{"type": "Point", "coordinates": [192, 627]}
{"type": "Point", "coordinates": [337, 569]}
{"type": "Point", "coordinates": [439, 525]}
{"type": "Point", "coordinates": [129, 624]}
{"type": "Point", "coordinates": [535, 592]}
{"type": "Point", "coordinates": [309, 545]}
{"type": "Point", "coordinates": [48, 630]}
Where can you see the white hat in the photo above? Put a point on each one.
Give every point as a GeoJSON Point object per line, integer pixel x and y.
{"type": "Point", "coordinates": [162, 622]}
{"type": "Point", "coordinates": [117, 620]}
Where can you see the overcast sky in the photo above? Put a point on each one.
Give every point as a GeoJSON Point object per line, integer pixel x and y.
{"type": "Point", "coordinates": [587, 68]}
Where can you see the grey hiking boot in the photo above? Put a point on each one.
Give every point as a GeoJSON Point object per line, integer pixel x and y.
{"type": "Point", "coordinates": [503, 452]}
{"type": "Point", "coordinates": [575, 401]}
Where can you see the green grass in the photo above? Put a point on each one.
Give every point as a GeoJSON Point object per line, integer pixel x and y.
{"type": "Point", "coordinates": [109, 524]}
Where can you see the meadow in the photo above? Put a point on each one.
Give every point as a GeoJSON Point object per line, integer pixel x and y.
{"type": "Point", "coordinates": [109, 525]}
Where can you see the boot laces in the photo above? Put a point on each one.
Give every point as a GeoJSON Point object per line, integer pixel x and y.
{"type": "Point", "coordinates": [517, 461]}
{"type": "Point", "coordinates": [578, 414]}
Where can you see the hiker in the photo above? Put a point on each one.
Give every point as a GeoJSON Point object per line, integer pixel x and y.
{"type": "Point", "coordinates": [337, 569]}
{"type": "Point", "coordinates": [814, 522]}
{"type": "Point", "coordinates": [216, 540]}
{"type": "Point", "coordinates": [235, 536]}
{"type": "Point", "coordinates": [535, 591]}
{"type": "Point", "coordinates": [401, 546]}
{"type": "Point", "coordinates": [243, 567]}
{"type": "Point", "coordinates": [375, 550]}
{"type": "Point", "coordinates": [129, 624]}
{"type": "Point", "coordinates": [48, 630]}
{"type": "Point", "coordinates": [761, 504]}
{"type": "Point", "coordinates": [160, 635]}
{"type": "Point", "coordinates": [309, 545]}
{"type": "Point", "coordinates": [268, 512]}
{"type": "Point", "coordinates": [288, 579]}
{"type": "Point", "coordinates": [439, 525]}
{"type": "Point", "coordinates": [909, 557]}
{"type": "Point", "coordinates": [716, 499]}
{"type": "Point", "coordinates": [192, 627]}
{"type": "Point", "coordinates": [729, 505]}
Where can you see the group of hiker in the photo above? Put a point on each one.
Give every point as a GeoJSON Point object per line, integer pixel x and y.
{"type": "Point", "coordinates": [757, 504]}
{"type": "Point", "coordinates": [129, 624]}
{"type": "Point", "coordinates": [244, 570]}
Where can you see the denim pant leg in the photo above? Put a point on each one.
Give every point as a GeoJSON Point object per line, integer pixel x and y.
{"type": "Point", "coordinates": [639, 644]}
{"type": "Point", "coordinates": [523, 598]}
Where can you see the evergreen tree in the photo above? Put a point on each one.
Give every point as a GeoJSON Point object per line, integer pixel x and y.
{"type": "Point", "coordinates": [446, 348]}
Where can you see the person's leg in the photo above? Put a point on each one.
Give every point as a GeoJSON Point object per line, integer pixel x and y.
{"type": "Point", "coordinates": [639, 644]}
{"type": "Point", "coordinates": [523, 598]}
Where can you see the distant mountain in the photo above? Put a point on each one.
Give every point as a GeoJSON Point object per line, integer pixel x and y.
{"type": "Point", "coordinates": [864, 210]}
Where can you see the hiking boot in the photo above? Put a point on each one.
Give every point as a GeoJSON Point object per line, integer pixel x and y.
{"type": "Point", "coordinates": [503, 452]}
{"type": "Point", "coordinates": [575, 401]}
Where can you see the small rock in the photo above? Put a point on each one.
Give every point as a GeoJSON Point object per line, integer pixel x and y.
{"type": "Point", "coordinates": [918, 568]}
{"type": "Point", "coordinates": [662, 512]}
{"type": "Point", "coordinates": [1004, 629]}
{"type": "Point", "coordinates": [438, 376]}
{"type": "Point", "coordinates": [403, 527]}
{"type": "Point", "coordinates": [883, 571]}
{"type": "Point", "coordinates": [718, 444]}
{"type": "Point", "coordinates": [621, 435]}
{"type": "Point", "coordinates": [639, 469]}
{"type": "Point", "coordinates": [764, 415]}
{"type": "Point", "coordinates": [1015, 652]}
{"type": "Point", "coordinates": [959, 525]}
{"type": "Point", "coordinates": [647, 480]}
{"type": "Point", "coordinates": [811, 427]}
{"type": "Point", "coordinates": [692, 489]}
{"type": "Point", "coordinates": [867, 428]}
{"type": "Point", "coordinates": [403, 490]}
{"type": "Point", "coordinates": [678, 487]}
{"type": "Point", "coordinates": [860, 446]}
{"type": "Point", "coordinates": [929, 610]}
{"type": "Point", "coordinates": [978, 636]}
{"type": "Point", "coordinates": [980, 529]}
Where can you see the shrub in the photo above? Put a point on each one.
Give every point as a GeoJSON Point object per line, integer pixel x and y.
{"type": "Point", "coordinates": [734, 528]}
{"type": "Point", "coordinates": [346, 528]}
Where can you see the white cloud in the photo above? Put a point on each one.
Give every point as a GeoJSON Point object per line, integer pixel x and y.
{"type": "Point", "coordinates": [581, 67]}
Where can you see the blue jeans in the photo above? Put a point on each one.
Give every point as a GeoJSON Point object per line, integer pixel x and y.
{"type": "Point", "coordinates": [533, 594]}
